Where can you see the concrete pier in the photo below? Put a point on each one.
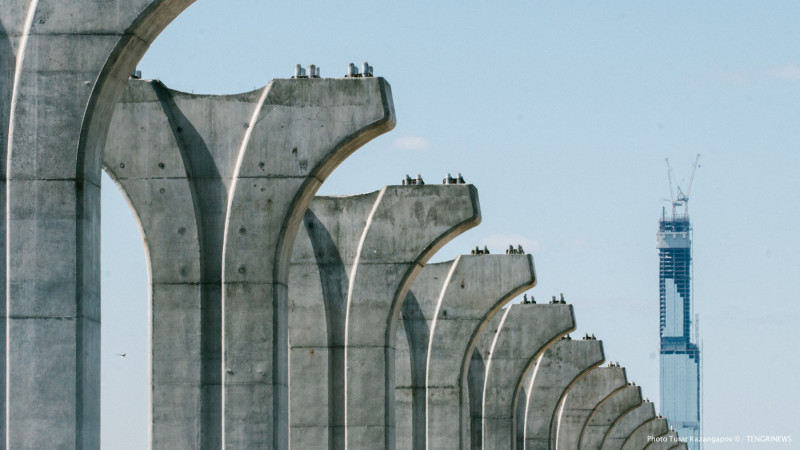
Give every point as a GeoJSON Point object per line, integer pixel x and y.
{"type": "Point", "coordinates": [643, 435]}
{"type": "Point", "coordinates": [607, 413]}
{"type": "Point", "coordinates": [526, 332]}
{"type": "Point", "coordinates": [560, 367]}
{"type": "Point", "coordinates": [476, 379]}
{"type": "Point", "coordinates": [197, 170]}
{"type": "Point", "coordinates": [581, 401]}
{"type": "Point", "coordinates": [626, 424]}
{"type": "Point", "coordinates": [353, 259]}
{"type": "Point", "coordinates": [62, 69]}
{"type": "Point", "coordinates": [444, 313]}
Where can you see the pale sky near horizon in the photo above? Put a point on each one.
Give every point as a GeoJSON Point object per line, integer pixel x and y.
{"type": "Point", "coordinates": [561, 113]}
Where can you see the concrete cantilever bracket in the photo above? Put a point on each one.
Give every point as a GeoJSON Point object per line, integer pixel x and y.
{"type": "Point", "coordinates": [406, 226]}
{"type": "Point", "coordinates": [606, 414]}
{"type": "Point", "coordinates": [644, 433]}
{"type": "Point", "coordinates": [443, 314]}
{"type": "Point", "coordinates": [526, 332]}
{"type": "Point", "coordinates": [558, 369]}
{"type": "Point", "coordinates": [625, 425]}
{"type": "Point", "coordinates": [351, 271]}
{"type": "Point", "coordinates": [219, 185]}
{"type": "Point", "coordinates": [582, 399]}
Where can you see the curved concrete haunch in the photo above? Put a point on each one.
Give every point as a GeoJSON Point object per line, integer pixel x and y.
{"type": "Point", "coordinates": [645, 434]}
{"type": "Point", "coordinates": [528, 332]}
{"type": "Point", "coordinates": [63, 65]}
{"type": "Point", "coordinates": [476, 379]}
{"type": "Point", "coordinates": [405, 227]}
{"type": "Point", "coordinates": [626, 424]}
{"type": "Point", "coordinates": [582, 399]}
{"type": "Point", "coordinates": [666, 441]}
{"type": "Point", "coordinates": [351, 269]}
{"type": "Point", "coordinates": [196, 168]}
{"type": "Point", "coordinates": [556, 371]}
{"type": "Point", "coordinates": [445, 311]}
{"type": "Point", "coordinates": [606, 414]}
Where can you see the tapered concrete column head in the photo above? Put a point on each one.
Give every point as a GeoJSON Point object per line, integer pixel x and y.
{"type": "Point", "coordinates": [405, 227]}
{"type": "Point", "coordinates": [299, 132]}
{"type": "Point", "coordinates": [582, 399]}
{"type": "Point", "coordinates": [607, 413]}
{"type": "Point", "coordinates": [443, 311]}
{"type": "Point", "coordinates": [622, 428]}
{"type": "Point", "coordinates": [524, 335]}
{"type": "Point", "coordinates": [558, 369]}
{"type": "Point", "coordinates": [645, 434]}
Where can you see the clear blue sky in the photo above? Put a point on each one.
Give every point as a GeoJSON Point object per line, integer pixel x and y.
{"type": "Point", "coordinates": [561, 113]}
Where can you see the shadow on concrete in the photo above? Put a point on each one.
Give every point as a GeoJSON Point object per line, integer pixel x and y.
{"type": "Point", "coordinates": [334, 280]}
{"type": "Point", "coordinates": [210, 197]}
{"type": "Point", "coordinates": [418, 332]}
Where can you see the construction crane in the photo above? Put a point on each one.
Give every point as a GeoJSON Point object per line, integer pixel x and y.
{"type": "Point", "coordinates": [683, 199]}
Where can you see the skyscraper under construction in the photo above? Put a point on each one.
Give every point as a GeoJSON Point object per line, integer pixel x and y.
{"type": "Point", "coordinates": [679, 355]}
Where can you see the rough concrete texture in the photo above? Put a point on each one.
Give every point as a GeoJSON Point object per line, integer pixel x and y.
{"type": "Point", "coordinates": [626, 424]}
{"type": "Point", "coordinates": [607, 413]}
{"type": "Point", "coordinates": [644, 434]}
{"type": "Point", "coordinates": [556, 371]}
{"type": "Point", "coordinates": [62, 69]}
{"type": "Point", "coordinates": [443, 314]}
{"type": "Point", "coordinates": [526, 332]}
{"type": "Point", "coordinates": [581, 401]}
{"type": "Point", "coordinates": [354, 270]}
{"type": "Point", "coordinates": [476, 378]}
{"type": "Point", "coordinates": [206, 175]}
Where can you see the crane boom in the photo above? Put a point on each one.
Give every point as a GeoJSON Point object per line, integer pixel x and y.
{"type": "Point", "coordinates": [691, 180]}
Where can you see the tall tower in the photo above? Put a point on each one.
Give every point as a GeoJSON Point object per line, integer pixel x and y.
{"type": "Point", "coordinates": [679, 355]}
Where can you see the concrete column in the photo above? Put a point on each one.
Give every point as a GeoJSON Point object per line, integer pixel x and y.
{"type": "Point", "coordinates": [666, 441]}
{"type": "Point", "coordinates": [525, 334]}
{"type": "Point", "coordinates": [643, 435]}
{"type": "Point", "coordinates": [406, 226]}
{"type": "Point", "coordinates": [63, 67]}
{"type": "Point", "coordinates": [443, 314]}
{"type": "Point", "coordinates": [624, 426]}
{"type": "Point", "coordinates": [411, 354]}
{"type": "Point", "coordinates": [607, 413]}
{"type": "Point", "coordinates": [582, 399]}
{"type": "Point", "coordinates": [556, 371]}
{"type": "Point", "coordinates": [476, 379]}
{"type": "Point", "coordinates": [350, 270]}
{"type": "Point", "coordinates": [322, 260]}
{"type": "Point", "coordinates": [175, 157]}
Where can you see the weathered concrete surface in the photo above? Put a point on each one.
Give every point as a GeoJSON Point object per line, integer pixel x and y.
{"type": "Point", "coordinates": [625, 425]}
{"type": "Point", "coordinates": [406, 227]}
{"type": "Point", "coordinates": [178, 157]}
{"type": "Point", "coordinates": [581, 401]}
{"type": "Point", "coordinates": [63, 65]}
{"type": "Point", "coordinates": [301, 131]}
{"type": "Point", "coordinates": [666, 441]}
{"type": "Point", "coordinates": [556, 371]}
{"type": "Point", "coordinates": [526, 334]}
{"type": "Point", "coordinates": [322, 260]}
{"type": "Point", "coordinates": [411, 354]}
{"type": "Point", "coordinates": [644, 434]}
{"type": "Point", "coordinates": [476, 378]}
{"type": "Point", "coordinates": [606, 414]}
{"type": "Point", "coordinates": [443, 314]}
{"type": "Point", "coordinates": [350, 274]}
